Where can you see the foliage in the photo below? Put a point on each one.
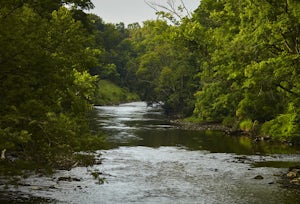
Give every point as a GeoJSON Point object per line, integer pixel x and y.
{"type": "Point", "coordinates": [163, 67]}
{"type": "Point", "coordinates": [45, 90]}
{"type": "Point", "coordinates": [233, 62]}
{"type": "Point", "coordinates": [109, 93]}
{"type": "Point", "coordinates": [246, 125]}
{"type": "Point", "coordinates": [249, 70]}
{"type": "Point", "coordinates": [284, 126]}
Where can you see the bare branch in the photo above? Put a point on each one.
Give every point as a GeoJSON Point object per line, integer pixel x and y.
{"type": "Point", "coordinates": [171, 9]}
{"type": "Point", "coordinates": [151, 5]}
{"type": "Point", "coordinates": [186, 10]}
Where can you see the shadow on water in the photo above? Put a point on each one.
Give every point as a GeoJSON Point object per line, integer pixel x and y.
{"type": "Point", "coordinates": [147, 126]}
{"type": "Point", "coordinates": [213, 141]}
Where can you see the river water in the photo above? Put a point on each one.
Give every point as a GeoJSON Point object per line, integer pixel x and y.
{"type": "Point", "coordinates": [153, 161]}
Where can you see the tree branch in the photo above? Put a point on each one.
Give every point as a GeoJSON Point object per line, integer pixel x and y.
{"type": "Point", "coordinates": [171, 8]}
{"type": "Point", "coordinates": [287, 90]}
{"type": "Point", "coordinates": [187, 11]}
{"type": "Point", "coordinates": [286, 43]}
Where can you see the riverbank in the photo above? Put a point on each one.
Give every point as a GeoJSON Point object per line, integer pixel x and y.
{"type": "Point", "coordinates": [108, 93]}
{"type": "Point", "coordinates": [199, 126]}
{"type": "Point", "coordinates": [26, 186]}
{"type": "Point", "coordinates": [203, 126]}
{"type": "Point", "coordinates": [290, 179]}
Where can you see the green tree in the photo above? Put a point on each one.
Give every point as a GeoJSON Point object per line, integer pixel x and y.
{"type": "Point", "coordinates": [272, 79]}
{"type": "Point", "coordinates": [44, 88]}
{"type": "Point", "coordinates": [250, 62]}
{"type": "Point", "coordinates": [164, 67]}
{"type": "Point", "coordinates": [220, 62]}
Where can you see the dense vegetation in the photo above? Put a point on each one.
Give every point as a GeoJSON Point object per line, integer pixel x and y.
{"type": "Point", "coordinates": [236, 63]}
{"type": "Point", "coordinates": [45, 89]}
{"type": "Point", "coordinates": [109, 93]}
{"type": "Point", "coordinates": [231, 62]}
{"type": "Point", "coordinates": [250, 71]}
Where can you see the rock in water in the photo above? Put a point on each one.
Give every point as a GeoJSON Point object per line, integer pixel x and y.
{"type": "Point", "coordinates": [259, 177]}
{"type": "Point", "coordinates": [3, 154]}
{"type": "Point", "coordinates": [292, 174]}
{"type": "Point", "coordinates": [295, 181]}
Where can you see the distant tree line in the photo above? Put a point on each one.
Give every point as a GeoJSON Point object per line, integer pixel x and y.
{"type": "Point", "coordinates": [231, 62]}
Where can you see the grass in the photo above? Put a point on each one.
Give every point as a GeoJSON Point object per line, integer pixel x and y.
{"type": "Point", "coordinates": [108, 93]}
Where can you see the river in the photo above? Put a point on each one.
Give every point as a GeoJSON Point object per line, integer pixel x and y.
{"type": "Point", "coordinates": [153, 161]}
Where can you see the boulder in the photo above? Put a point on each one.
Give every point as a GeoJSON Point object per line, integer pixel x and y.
{"type": "Point", "coordinates": [293, 173]}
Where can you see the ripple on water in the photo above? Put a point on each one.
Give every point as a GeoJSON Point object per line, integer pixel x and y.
{"type": "Point", "coordinates": [169, 173]}
{"type": "Point", "coordinates": [165, 175]}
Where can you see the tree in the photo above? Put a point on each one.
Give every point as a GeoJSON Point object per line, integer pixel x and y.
{"type": "Point", "coordinates": [164, 68]}
{"type": "Point", "coordinates": [272, 79]}
{"type": "Point", "coordinates": [44, 88]}
{"type": "Point", "coordinates": [220, 63]}
{"type": "Point", "coordinates": [249, 70]}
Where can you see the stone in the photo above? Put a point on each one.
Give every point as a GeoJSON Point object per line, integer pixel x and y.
{"type": "Point", "coordinates": [292, 174]}
{"type": "Point", "coordinates": [3, 157]}
{"type": "Point", "coordinates": [259, 177]}
{"type": "Point", "coordinates": [295, 181]}
{"type": "Point", "coordinates": [70, 179]}
{"type": "Point", "coordinates": [36, 188]}
{"type": "Point", "coordinates": [52, 187]}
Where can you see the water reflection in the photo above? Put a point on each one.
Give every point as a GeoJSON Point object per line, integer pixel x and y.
{"type": "Point", "coordinates": [136, 124]}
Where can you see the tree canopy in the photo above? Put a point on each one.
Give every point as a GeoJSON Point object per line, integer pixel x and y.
{"type": "Point", "coordinates": [45, 88]}
{"type": "Point", "coordinates": [231, 62]}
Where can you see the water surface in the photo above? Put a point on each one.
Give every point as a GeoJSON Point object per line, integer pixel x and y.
{"type": "Point", "coordinates": [153, 161]}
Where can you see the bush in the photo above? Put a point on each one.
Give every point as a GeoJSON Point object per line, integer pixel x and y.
{"type": "Point", "coordinates": [246, 125]}
{"type": "Point", "coordinates": [284, 126]}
